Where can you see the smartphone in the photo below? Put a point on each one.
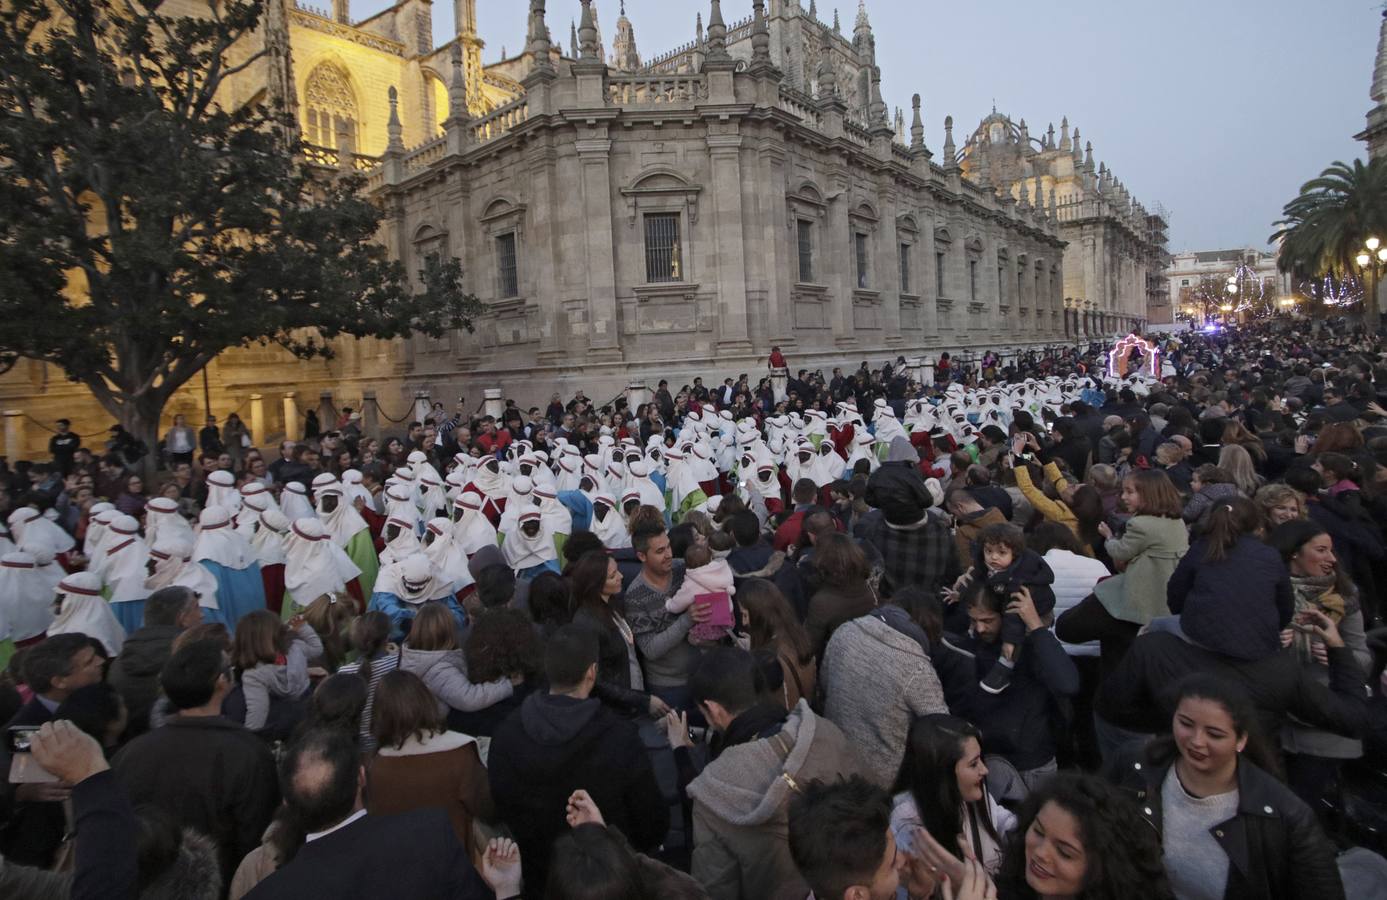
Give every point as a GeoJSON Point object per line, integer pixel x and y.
{"type": "Point", "coordinates": [19, 737]}
{"type": "Point", "coordinates": [24, 769]}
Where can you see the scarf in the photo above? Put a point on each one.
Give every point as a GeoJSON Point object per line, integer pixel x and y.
{"type": "Point", "coordinates": [1315, 592]}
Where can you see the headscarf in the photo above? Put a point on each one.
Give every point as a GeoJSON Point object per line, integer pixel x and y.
{"type": "Point", "coordinates": [611, 528]}
{"type": "Point", "coordinates": [556, 515]}
{"type": "Point", "coordinates": [96, 527]}
{"type": "Point", "coordinates": [174, 566]}
{"type": "Point", "coordinates": [218, 542]}
{"type": "Point", "coordinates": [256, 499]}
{"type": "Point", "coordinates": [26, 598]}
{"type": "Point", "coordinates": [403, 544]}
{"type": "Point", "coordinates": [351, 482]}
{"type": "Point", "coordinates": [344, 522]}
{"type": "Point", "coordinates": [30, 521]}
{"type": "Point", "coordinates": [294, 502]}
{"type": "Point", "coordinates": [414, 580]}
{"type": "Point", "coordinates": [161, 516]}
{"type": "Point", "coordinates": [85, 611]}
{"type": "Point", "coordinates": [100, 523]}
{"type": "Point", "coordinates": [473, 530]}
{"type": "Point", "coordinates": [525, 552]}
{"type": "Point", "coordinates": [127, 561]}
{"type": "Point", "coordinates": [268, 540]}
{"type": "Point", "coordinates": [221, 491]}
{"type": "Point", "coordinates": [314, 565]}
{"type": "Point", "coordinates": [446, 556]}
{"type": "Point", "coordinates": [400, 505]}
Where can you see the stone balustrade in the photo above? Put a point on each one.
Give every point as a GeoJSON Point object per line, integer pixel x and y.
{"type": "Point", "coordinates": [501, 120]}
{"type": "Point", "coordinates": [645, 90]}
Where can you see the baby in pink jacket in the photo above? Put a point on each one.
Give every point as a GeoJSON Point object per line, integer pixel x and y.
{"type": "Point", "coordinates": [709, 581]}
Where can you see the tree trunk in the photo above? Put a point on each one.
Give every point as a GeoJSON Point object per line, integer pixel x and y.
{"type": "Point", "coordinates": [140, 416]}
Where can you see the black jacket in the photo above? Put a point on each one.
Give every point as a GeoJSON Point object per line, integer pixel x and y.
{"type": "Point", "coordinates": [413, 854]}
{"type": "Point", "coordinates": [898, 490]}
{"type": "Point", "coordinates": [762, 561]}
{"type": "Point", "coordinates": [1276, 850]}
{"type": "Point", "coordinates": [613, 666]}
{"type": "Point", "coordinates": [1017, 723]}
{"type": "Point", "coordinates": [1133, 695]}
{"type": "Point", "coordinates": [554, 745]}
{"type": "Point", "coordinates": [135, 673]}
{"type": "Point", "coordinates": [208, 774]}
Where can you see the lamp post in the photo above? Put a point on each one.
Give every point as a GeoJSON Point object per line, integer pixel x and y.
{"type": "Point", "coordinates": [1371, 261]}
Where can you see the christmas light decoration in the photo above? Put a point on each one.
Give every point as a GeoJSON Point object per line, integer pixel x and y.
{"type": "Point", "coordinates": [1331, 291]}
{"type": "Point", "coordinates": [1117, 356]}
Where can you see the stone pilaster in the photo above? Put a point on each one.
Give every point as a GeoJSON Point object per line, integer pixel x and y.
{"type": "Point", "coordinates": [724, 150]}
{"type": "Point", "coordinates": [594, 153]}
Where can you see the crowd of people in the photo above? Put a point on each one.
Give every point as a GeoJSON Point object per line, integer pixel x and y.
{"type": "Point", "coordinates": [1046, 626]}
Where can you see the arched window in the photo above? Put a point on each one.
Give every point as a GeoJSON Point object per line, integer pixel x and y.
{"type": "Point", "coordinates": [329, 103]}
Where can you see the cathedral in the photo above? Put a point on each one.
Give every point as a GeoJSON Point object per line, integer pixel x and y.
{"type": "Point", "coordinates": [627, 218]}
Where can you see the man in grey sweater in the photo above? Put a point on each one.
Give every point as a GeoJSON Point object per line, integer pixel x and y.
{"type": "Point", "coordinates": [661, 636]}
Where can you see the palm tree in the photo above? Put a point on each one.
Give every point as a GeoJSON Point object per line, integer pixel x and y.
{"type": "Point", "coordinates": [1324, 227]}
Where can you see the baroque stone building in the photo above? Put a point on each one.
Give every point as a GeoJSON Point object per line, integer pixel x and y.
{"type": "Point", "coordinates": [624, 218]}
{"type": "Point", "coordinates": [1116, 249]}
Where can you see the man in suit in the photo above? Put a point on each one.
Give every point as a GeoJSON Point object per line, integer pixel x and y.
{"type": "Point", "coordinates": [31, 815]}
{"type": "Point", "coordinates": [348, 853]}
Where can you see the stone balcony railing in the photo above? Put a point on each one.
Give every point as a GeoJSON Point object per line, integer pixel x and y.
{"type": "Point", "coordinates": [798, 103]}
{"type": "Point", "coordinates": [648, 89]}
{"type": "Point", "coordinates": [501, 120]}
{"type": "Point", "coordinates": [426, 154]}
{"type": "Point", "coordinates": [328, 158]}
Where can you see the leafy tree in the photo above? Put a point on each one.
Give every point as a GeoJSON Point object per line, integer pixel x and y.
{"type": "Point", "coordinates": [145, 228]}
{"type": "Point", "coordinates": [1324, 227]}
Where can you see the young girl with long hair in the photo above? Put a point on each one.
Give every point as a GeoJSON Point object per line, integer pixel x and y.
{"type": "Point", "coordinates": [942, 787]}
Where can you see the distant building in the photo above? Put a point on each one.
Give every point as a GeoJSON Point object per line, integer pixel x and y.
{"type": "Point", "coordinates": [1190, 270]}
{"type": "Point", "coordinates": [1115, 249]}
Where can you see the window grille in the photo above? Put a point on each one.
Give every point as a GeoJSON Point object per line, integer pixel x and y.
{"type": "Point", "coordinates": [806, 250]}
{"type": "Point", "coordinates": [662, 253]}
{"type": "Point", "coordinates": [509, 276]}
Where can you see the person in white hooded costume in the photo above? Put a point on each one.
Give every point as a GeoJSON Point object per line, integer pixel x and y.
{"type": "Point", "coordinates": [26, 599]}
{"type": "Point", "coordinates": [81, 609]}
{"type": "Point", "coordinates": [171, 558]}
{"type": "Point", "coordinates": [124, 573]}
{"type": "Point", "coordinates": [314, 566]}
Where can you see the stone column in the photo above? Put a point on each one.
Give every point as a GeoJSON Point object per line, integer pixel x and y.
{"type": "Point", "coordinates": [594, 153]}
{"type": "Point", "coordinates": [327, 414]}
{"type": "Point", "coordinates": [637, 394]}
{"type": "Point", "coordinates": [370, 415]}
{"type": "Point", "coordinates": [14, 435]}
{"type": "Point", "coordinates": [257, 420]}
{"type": "Point", "coordinates": [292, 426]}
{"type": "Point", "coordinates": [724, 151]}
{"type": "Point", "coordinates": [493, 403]}
{"type": "Point", "coordinates": [422, 405]}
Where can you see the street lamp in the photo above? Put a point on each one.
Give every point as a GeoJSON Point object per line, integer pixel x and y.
{"type": "Point", "coordinates": [1371, 260]}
